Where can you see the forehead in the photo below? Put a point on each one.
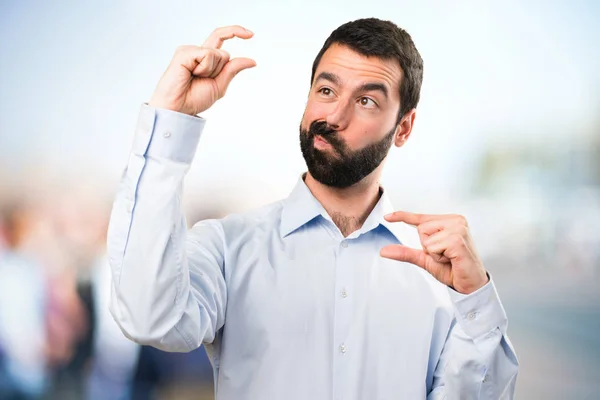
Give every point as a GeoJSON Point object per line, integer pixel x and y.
{"type": "Point", "coordinates": [355, 69]}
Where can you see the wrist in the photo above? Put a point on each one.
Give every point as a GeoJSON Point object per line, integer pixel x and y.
{"type": "Point", "coordinates": [473, 285]}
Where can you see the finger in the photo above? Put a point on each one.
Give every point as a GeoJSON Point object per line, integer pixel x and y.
{"type": "Point", "coordinates": [438, 255]}
{"type": "Point", "coordinates": [440, 271]}
{"type": "Point", "coordinates": [440, 258]}
{"type": "Point", "coordinates": [224, 58]}
{"type": "Point", "coordinates": [402, 253]}
{"type": "Point", "coordinates": [230, 70]}
{"type": "Point", "coordinates": [432, 227]}
{"type": "Point", "coordinates": [452, 224]}
{"type": "Point", "coordinates": [206, 64]}
{"type": "Point", "coordinates": [412, 218]}
{"type": "Point", "coordinates": [436, 244]}
{"type": "Point", "coordinates": [199, 61]}
{"type": "Point", "coordinates": [220, 35]}
{"type": "Point", "coordinates": [210, 63]}
{"type": "Point", "coordinates": [451, 246]}
{"type": "Point", "coordinates": [426, 229]}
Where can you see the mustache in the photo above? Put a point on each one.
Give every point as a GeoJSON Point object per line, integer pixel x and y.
{"type": "Point", "coordinates": [328, 134]}
{"type": "Point", "coordinates": [321, 128]}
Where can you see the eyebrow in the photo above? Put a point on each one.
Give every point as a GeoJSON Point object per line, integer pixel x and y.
{"type": "Point", "coordinates": [370, 87]}
{"type": "Point", "coordinates": [328, 76]}
{"type": "Point", "coordinates": [367, 87]}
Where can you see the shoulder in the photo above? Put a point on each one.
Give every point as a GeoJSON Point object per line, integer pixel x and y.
{"type": "Point", "coordinates": [238, 225]}
{"type": "Point", "coordinates": [270, 213]}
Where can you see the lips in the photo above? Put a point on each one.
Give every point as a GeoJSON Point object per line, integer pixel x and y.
{"type": "Point", "coordinates": [320, 143]}
{"type": "Point", "coordinates": [319, 138]}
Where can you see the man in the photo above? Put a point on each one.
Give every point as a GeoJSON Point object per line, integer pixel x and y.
{"type": "Point", "coordinates": [316, 296]}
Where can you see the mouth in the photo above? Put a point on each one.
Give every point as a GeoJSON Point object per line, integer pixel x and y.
{"type": "Point", "coordinates": [320, 143]}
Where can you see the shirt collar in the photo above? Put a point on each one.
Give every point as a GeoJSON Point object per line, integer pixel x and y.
{"type": "Point", "coordinates": [301, 207]}
{"type": "Point", "coordinates": [405, 234]}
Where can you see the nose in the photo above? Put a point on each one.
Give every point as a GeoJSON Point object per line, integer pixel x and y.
{"type": "Point", "coordinates": [340, 117]}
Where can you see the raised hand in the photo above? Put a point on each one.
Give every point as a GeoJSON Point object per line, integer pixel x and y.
{"type": "Point", "coordinates": [198, 76]}
{"type": "Point", "coordinates": [448, 251]}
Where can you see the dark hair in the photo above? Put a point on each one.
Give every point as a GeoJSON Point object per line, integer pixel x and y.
{"type": "Point", "coordinates": [373, 37]}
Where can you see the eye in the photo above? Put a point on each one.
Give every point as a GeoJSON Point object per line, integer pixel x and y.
{"type": "Point", "coordinates": [367, 102]}
{"type": "Point", "coordinates": [325, 91]}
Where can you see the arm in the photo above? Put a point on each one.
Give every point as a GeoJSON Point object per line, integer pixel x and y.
{"type": "Point", "coordinates": [478, 360]}
{"type": "Point", "coordinates": [168, 288]}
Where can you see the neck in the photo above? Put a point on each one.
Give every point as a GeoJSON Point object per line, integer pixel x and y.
{"type": "Point", "coordinates": [348, 207]}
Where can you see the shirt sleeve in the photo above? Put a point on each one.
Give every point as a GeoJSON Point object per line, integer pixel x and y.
{"type": "Point", "coordinates": [167, 287]}
{"type": "Point", "coordinates": [478, 361]}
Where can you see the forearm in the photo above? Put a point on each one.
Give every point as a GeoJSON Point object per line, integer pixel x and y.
{"type": "Point", "coordinates": [151, 297]}
{"type": "Point", "coordinates": [478, 360]}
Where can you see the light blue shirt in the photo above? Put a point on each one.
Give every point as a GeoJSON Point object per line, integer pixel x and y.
{"type": "Point", "coordinates": [287, 307]}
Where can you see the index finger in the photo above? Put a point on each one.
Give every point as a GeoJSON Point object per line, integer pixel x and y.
{"type": "Point", "coordinates": [220, 35]}
{"type": "Point", "coordinates": [410, 218]}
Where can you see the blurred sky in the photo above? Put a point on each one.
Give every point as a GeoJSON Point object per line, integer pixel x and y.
{"type": "Point", "coordinates": [73, 75]}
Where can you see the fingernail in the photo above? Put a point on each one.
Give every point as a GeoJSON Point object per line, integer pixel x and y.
{"type": "Point", "coordinates": [249, 31]}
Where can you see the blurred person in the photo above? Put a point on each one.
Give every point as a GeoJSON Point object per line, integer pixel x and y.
{"type": "Point", "coordinates": [170, 375]}
{"type": "Point", "coordinates": [80, 218]}
{"type": "Point", "coordinates": [64, 319]}
{"type": "Point", "coordinates": [318, 295]}
{"type": "Point", "coordinates": [114, 357]}
{"type": "Point", "coordinates": [3, 236]}
{"type": "Point", "coordinates": [23, 301]}
{"type": "Point", "coordinates": [69, 334]}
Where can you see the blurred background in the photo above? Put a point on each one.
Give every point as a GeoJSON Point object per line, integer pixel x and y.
{"type": "Point", "coordinates": [507, 133]}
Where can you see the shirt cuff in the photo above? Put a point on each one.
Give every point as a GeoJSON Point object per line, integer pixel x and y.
{"type": "Point", "coordinates": [481, 312]}
{"type": "Point", "coordinates": [167, 134]}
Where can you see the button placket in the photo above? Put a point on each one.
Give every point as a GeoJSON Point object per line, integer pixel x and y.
{"type": "Point", "coordinates": [343, 315]}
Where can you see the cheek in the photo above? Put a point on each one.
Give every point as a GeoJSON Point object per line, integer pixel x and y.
{"type": "Point", "coordinates": [363, 133]}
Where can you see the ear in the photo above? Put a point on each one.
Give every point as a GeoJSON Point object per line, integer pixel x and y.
{"type": "Point", "coordinates": [404, 128]}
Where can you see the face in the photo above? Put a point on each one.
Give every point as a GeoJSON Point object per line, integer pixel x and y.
{"type": "Point", "coordinates": [350, 121]}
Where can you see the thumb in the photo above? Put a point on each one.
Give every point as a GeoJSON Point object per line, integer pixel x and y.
{"type": "Point", "coordinates": [402, 253]}
{"type": "Point", "coordinates": [231, 69]}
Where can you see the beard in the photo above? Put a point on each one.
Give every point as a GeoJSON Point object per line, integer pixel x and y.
{"type": "Point", "coordinates": [342, 167]}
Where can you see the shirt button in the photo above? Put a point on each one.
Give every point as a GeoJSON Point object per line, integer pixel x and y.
{"type": "Point", "coordinates": [486, 378]}
{"type": "Point", "coordinates": [471, 316]}
{"type": "Point", "coordinates": [167, 134]}
{"type": "Point", "coordinates": [343, 348]}
{"type": "Point", "coordinates": [344, 293]}
{"type": "Point", "coordinates": [344, 244]}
